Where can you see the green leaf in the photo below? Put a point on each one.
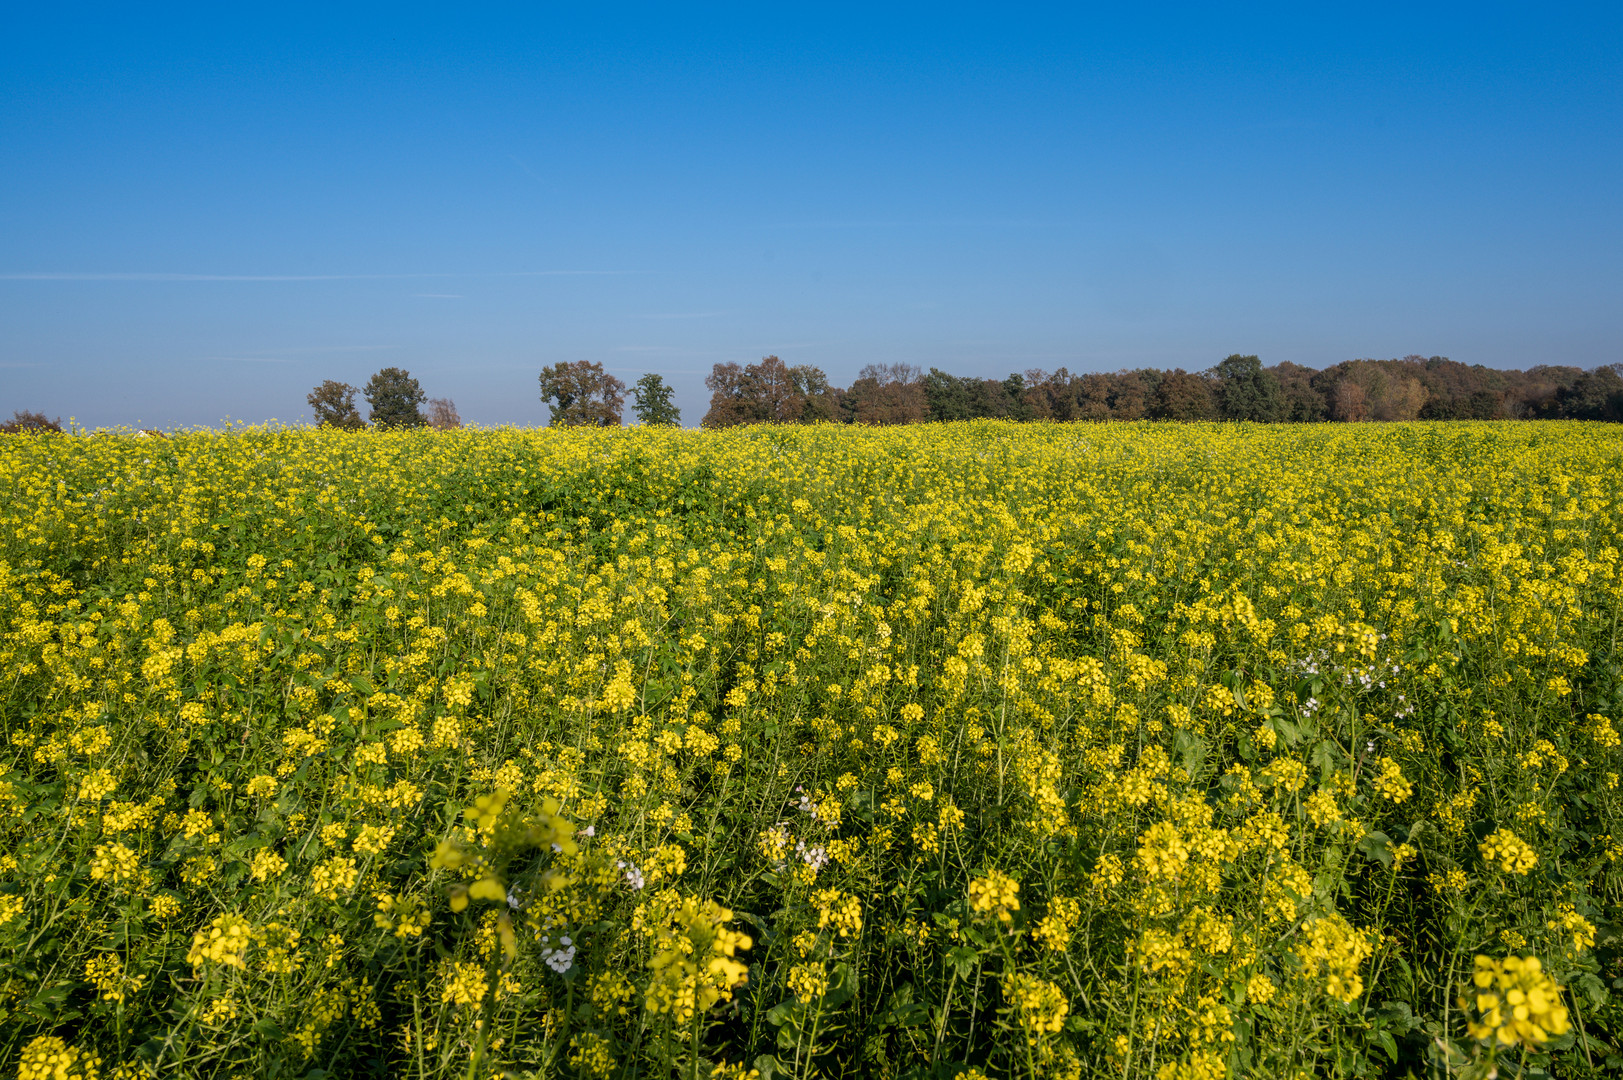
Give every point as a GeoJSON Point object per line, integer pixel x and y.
{"type": "Point", "coordinates": [963, 959]}
{"type": "Point", "coordinates": [841, 988]}
{"type": "Point", "coordinates": [1376, 847]}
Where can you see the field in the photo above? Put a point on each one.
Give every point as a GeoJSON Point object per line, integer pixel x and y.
{"type": "Point", "coordinates": [1128, 751]}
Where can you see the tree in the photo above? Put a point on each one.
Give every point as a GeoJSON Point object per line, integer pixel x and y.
{"type": "Point", "coordinates": [1248, 391]}
{"type": "Point", "coordinates": [1182, 396]}
{"type": "Point", "coordinates": [1016, 407]}
{"type": "Point", "coordinates": [1372, 390]}
{"type": "Point", "coordinates": [24, 421]}
{"type": "Point", "coordinates": [1595, 395]}
{"type": "Point", "coordinates": [1132, 393]}
{"type": "Point", "coordinates": [396, 399]}
{"type": "Point", "coordinates": [885, 394]}
{"type": "Point", "coordinates": [651, 401]}
{"type": "Point", "coordinates": [334, 404]}
{"type": "Point", "coordinates": [770, 392]}
{"type": "Point", "coordinates": [442, 414]}
{"type": "Point", "coordinates": [581, 394]}
{"type": "Point", "coordinates": [1302, 401]}
{"type": "Point", "coordinates": [946, 397]}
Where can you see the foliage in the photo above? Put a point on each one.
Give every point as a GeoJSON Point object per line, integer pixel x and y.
{"type": "Point", "coordinates": [1248, 391]}
{"type": "Point", "coordinates": [580, 393]}
{"type": "Point", "coordinates": [1130, 751]}
{"type": "Point", "coordinates": [770, 392]}
{"type": "Point", "coordinates": [651, 401]}
{"type": "Point", "coordinates": [22, 420]}
{"type": "Point", "coordinates": [884, 394]}
{"type": "Point", "coordinates": [1238, 388]}
{"type": "Point", "coordinates": [334, 405]}
{"type": "Point", "coordinates": [396, 399]}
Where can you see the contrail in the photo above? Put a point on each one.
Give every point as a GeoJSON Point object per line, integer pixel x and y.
{"type": "Point", "coordinates": [53, 276]}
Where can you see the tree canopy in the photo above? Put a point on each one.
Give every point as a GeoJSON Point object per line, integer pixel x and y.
{"type": "Point", "coordinates": [396, 399]}
{"type": "Point", "coordinates": [581, 394]}
{"type": "Point", "coordinates": [651, 401]}
{"type": "Point", "coordinates": [334, 405]}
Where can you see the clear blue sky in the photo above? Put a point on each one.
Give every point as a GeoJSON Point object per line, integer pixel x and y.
{"type": "Point", "coordinates": [205, 211]}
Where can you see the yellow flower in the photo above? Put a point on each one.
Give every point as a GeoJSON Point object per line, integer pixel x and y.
{"type": "Point", "coordinates": [1510, 852]}
{"type": "Point", "coordinates": [49, 1058]}
{"type": "Point", "coordinates": [113, 862]}
{"type": "Point", "coordinates": [266, 864]}
{"type": "Point", "coordinates": [1515, 1002]}
{"type": "Point", "coordinates": [996, 894]}
{"type": "Point", "coordinates": [1039, 1005]}
{"type": "Point", "coordinates": [694, 963]}
{"type": "Point", "coordinates": [225, 942]}
{"type": "Point", "coordinates": [808, 982]}
{"type": "Point", "coordinates": [465, 984]}
{"type": "Point", "coordinates": [840, 911]}
{"type": "Point", "coordinates": [1389, 781]}
{"type": "Point", "coordinates": [1054, 931]}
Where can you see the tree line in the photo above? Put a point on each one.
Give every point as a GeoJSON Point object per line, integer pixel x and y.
{"type": "Point", "coordinates": [1237, 388]}
{"type": "Point", "coordinates": [582, 393]}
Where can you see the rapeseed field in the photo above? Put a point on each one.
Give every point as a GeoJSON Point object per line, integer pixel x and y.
{"type": "Point", "coordinates": [978, 750]}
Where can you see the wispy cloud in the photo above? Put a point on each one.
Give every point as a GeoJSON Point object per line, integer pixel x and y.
{"type": "Point", "coordinates": [438, 295]}
{"type": "Point", "coordinates": [164, 277]}
{"type": "Point", "coordinates": [945, 223]}
{"type": "Point", "coordinates": [683, 315]}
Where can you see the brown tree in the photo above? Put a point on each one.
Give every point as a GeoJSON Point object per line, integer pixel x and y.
{"type": "Point", "coordinates": [22, 421]}
{"type": "Point", "coordinates": [1385, 390]}
{"type": "Point", "coordinates": [581, 394]}
{"type": "Point", "coordinates": [442, 414]}
{"type": "Point", "coordinates": [770, 392]}
{"type": "Point", "coordinates": [334, 405]}
{"type": "Point", "coordinates": [1348, 402]}
{"type": "Point", "coordinates": [1182, 396]}
{"type": "Point", "coordinates": [885, 394]}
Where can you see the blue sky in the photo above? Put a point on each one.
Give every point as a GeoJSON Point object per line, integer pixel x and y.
{"type": "Point", "coordinates": [205, 211]}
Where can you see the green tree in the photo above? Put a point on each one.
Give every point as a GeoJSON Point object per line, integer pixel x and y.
{"type": "Point", "coordinates": [651, 401]}
{"type": "Point", "coordinates": [334, 405]}
{"type": "Point", "coordinates": [581, 394]}
{"type": "Point", "coordinates": [396, 399]}
{"type": "Point", "coordinates": [1596, 395]}
{"type": "Point", "coordinates": [946, 397]}
{"type": "Point", "coordinates": [1248, 391]}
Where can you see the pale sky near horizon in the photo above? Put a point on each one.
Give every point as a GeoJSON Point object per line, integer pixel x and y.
{"type": "Point", "coordinates": [205, 211]}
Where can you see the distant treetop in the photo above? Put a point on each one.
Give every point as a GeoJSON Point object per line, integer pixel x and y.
{"type": "Point", "coordinates": [396, 399]}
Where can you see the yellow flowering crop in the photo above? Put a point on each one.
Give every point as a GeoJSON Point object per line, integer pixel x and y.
{"type": "Point", "coordinates": [644, 751]}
